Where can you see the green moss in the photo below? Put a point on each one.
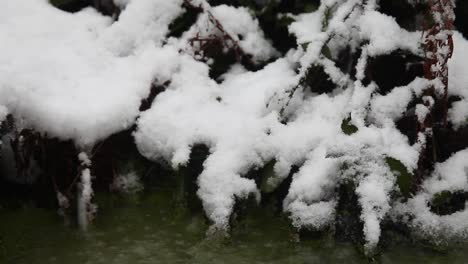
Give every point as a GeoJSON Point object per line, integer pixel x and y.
{"type": "Point", "coordinates": [347, 127]}
{"type": "Point", "coordinates": [404, 178]}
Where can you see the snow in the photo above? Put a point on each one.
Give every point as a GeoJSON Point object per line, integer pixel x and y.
{"type": "Point", "coordinates": [385, 35]}
{"type": "Point", "coordinates": [310, 190]}
{"type": "Point", "coordinates": [235, 131]}
{"type": "Point", "coordinates": [458, 80]}
{"type": "Point", "coordinates": [242, 134]}
{"type": "Point", "coordinates": [385, 109]}
{"type": "Point", "coordinates": [452, 176]}
{"type": "Point", "coordinates": [307, 27]}
{"type": "Point", "coordinates": [82, 84]}
{"type": "Point", "coordinates": [127, 183]}
{"type": "Point", "coordinates": [84, 159]}
{"type": "Point", "coordinates": [84, 200]}
{"type": "Point", "coordinates": [238, 23]}
{"type": "Point", "coordinates": [142, 22]}
{"type": "Point", "coordinates": [364, 153]}
{"type": "Point", "coordinates": [318, 214]}
{"type": "Point", "coordinates": [374, 197]}
{"type": "Point", "coordinates": [87, 83]}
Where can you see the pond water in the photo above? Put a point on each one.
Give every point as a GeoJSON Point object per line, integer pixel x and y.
{"type": "Point", "coordinates": [153, 229]}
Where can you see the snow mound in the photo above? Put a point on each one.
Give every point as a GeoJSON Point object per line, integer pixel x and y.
{"type": "Point", "coordinates": [80, 76]}
{"type": "Point", "coordinates": [229, 118]}
{"type": "Point", "coordinates": [450, 176]}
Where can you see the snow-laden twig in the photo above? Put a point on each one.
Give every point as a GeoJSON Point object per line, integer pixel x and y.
{"type": "Point", "coordinates": [85, 208]}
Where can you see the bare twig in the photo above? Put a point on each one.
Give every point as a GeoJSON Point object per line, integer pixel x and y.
{"type": "Point", "coordinates": [225, 40]}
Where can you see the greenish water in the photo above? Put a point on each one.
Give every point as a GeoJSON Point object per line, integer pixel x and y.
{"type": "Point", "coordinates": [153, 229]}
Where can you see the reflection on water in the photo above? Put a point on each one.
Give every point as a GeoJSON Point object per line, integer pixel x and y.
{"type": "Point", "coordinates": [153, 229]}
